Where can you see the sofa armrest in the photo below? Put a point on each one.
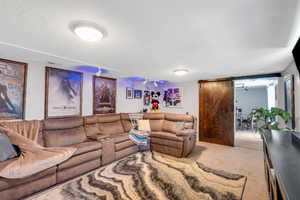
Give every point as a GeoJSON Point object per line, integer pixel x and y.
{"type": "Point", "coordinates": [186, 132]}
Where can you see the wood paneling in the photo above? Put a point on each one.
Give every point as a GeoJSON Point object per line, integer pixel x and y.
{"type": "Point", "coordinates": [216, 112]}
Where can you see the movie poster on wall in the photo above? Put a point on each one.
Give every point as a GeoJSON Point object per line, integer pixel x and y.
{"type": "Point", "coordinates": [63, 93]}
{"type": "Point", "coordinates": [173, 97]}
{"type": "Point", "coordinates": [12, 89]}
{"type": "Point", "coordinates": [105, 92]}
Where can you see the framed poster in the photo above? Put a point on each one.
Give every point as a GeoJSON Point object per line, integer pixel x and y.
{"type": "Point", "coordinates": [137, 94]}
{"type": "Point", "coordinates": [63, 94]}
{"type": "Point", "coordinates": [173, 97]}
{"type": "Point", "coordinates": [13, 77]}
{"type": "Point", "coordinates": [147, 98]}
{"type": "Point", "coordinates": [129, 93]}
{"type": "Point", "coordinates": [289, 97]}
{"type": "Point", "coordinates": [105, 92]}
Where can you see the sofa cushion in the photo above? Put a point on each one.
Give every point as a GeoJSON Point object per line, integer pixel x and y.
{"type": "Point", "coordinates": [120, 137]}
{"type": "Point", "coordinates": [164, 142]}
{"type": "Point", "coordinates": [108, 118]}
{"type": "Point", "coordinates": [124, 145]}
{"type": "Point", "coordinates": [79, 159]}
{"type": "Point", "coordinates": [172, 127]}
{"type": "Point", "coordinates": [157, 116]}
{"type": "Point", "coordinates": [90, 119]}
{"type": "Point", "coordinates": [7, 183]}
{"type": "Point", "coordinates": [156, 124]}
{"type": "Point", "coordinates": [165, 135]}
{"type": "Point", "coordinates": [64, 137]}
{"type": "Point", "coordinates": [179, 117]}
{"type": "Point", "coordinates": [111, 127]}
{"type": "Point", "coordinates": [91, 129]}
{"type": "Point", "coordinates": [63, 123]}
{"type": "Point", "coordinates": [85, 147]}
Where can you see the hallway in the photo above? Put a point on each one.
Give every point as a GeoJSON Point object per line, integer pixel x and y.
{"type": "Point", "coordinates": [248, 139]}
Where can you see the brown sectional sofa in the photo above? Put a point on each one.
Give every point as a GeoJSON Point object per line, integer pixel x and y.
{"type": "Point", "coordinates": [99, 140]}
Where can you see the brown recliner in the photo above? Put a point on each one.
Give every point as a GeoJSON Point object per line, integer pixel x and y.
{"type": "Point", "coordinates": [172, 134]}
{"type": "Point", "coordinates": [69, 132]}
{"type": "Point", "coordinates": [112, 131]}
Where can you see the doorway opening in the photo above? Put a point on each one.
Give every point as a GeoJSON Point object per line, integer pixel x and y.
{"type": "Point", "coordinates": [251, 94]}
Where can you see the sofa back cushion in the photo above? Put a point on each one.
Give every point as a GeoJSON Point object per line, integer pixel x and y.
{"type": "Point", "coordinates": [156, 120]}
{"type": "Point", "coordinates": [110, 124]}
{"type": "Point", "coordinates": [188, 120]}
{"type": "Point", "coordinates": [63, 132]}
{"type": "Point", "coordinates": [91, 126]}
{"type": "Point", "coordinates": [172, 126]}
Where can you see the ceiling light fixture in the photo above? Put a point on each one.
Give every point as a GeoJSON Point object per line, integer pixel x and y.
{"type": "Point", "coordinates": [180, 72]}
{"type": "Point", "coordinates": [88, 33]}
{"type": "Point", "coordinates": [99, 72]}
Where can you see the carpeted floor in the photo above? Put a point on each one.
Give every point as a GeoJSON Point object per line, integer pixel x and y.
{"type": "Point", "coordinates": [152, 176]}
{"type": "Point", "coordinates": [239, 160]}
{"type": "Point", "coordinates": [248, 139]}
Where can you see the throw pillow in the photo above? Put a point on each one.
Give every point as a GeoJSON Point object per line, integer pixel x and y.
{"type": "Point", "coordinates": [144, 125]}
{"type": "Point", "coordinates": [7, 150]}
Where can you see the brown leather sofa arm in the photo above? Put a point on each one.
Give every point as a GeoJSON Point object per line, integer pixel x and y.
{"type": "Point", "coordinates": [186, 132]}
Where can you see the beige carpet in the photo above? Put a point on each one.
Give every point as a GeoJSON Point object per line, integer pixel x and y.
{"type": "Point", "coordinates": [248, 139]}
{"type": "Point", "coordinates": [151, 176]}
{"type": "Point", "coordinates": [239, 160]}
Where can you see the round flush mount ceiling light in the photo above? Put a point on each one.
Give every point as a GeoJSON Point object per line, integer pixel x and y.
{"type": "Point", "coordinates": [87, 31]}
{"type": "Point", "coordinates": [180, 72]}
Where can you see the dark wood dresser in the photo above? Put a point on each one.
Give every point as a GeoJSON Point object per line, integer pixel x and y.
{"type": "Point", "coordinates": [282, 164]}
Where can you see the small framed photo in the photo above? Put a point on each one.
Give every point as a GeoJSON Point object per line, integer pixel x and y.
{"type": "Point", "coordinates": [129, 93]}
{"type": "Point", "coordinates": [137, 94]}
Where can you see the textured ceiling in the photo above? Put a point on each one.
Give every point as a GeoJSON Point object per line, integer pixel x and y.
{"type": "Point", "coordinates": [152, 38]}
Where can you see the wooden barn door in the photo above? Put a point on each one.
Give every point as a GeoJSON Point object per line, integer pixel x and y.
{"type": "Point", "coordinates": [216, 112]}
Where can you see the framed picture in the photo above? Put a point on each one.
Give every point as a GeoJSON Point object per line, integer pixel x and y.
{"type": "Point", "coordinates": [147, 98]}
{"type": "Point", "coordinates": [137, 94]}
{"type": "Point", "coordinates": [289, 97]}
{"type": "Point", "coordinates": [63, 96]}
{"type": "Point", "coordinates": [105, 92]}
{"type": "Point", "coordinates": [129, 93]}
{"type": "Point", "coordinates": [173, 97]}
{"type": "Point", "coordinates": [13, 77]}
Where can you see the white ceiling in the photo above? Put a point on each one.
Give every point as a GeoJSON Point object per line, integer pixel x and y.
{"type": "Point", "coordinates": [150, 39]}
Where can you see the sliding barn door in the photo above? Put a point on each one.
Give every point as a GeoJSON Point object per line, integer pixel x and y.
{"type": "Point", "coordinates": [216, 112]}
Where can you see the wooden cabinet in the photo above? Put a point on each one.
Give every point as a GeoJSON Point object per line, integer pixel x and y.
{"type": "Point", "coordinates": [271, 179]}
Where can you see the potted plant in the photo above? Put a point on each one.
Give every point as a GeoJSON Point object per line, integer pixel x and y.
{"type": "Point", "coordinates": [269, 118]}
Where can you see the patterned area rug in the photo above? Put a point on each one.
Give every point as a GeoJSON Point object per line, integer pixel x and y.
{"type": "Point", "coordinates": [151, 176]}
